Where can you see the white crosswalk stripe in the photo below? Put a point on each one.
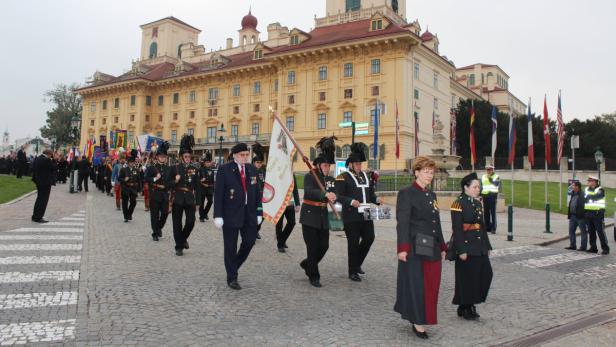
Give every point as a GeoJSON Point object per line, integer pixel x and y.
{"type": "Point", "coordinates": [27, 260]}
{"type": "Point", "coordinates": [76, 219]}
{"type": "Point", "coordinates": [536, 263]}
{"type": "Point", "coordinates": [20, 277]}
{"type": "Point", "coordinates": [40, 247]}
{"type": "Point", "coordinates": [516, 250]}
{"type": "Point", "coordinates": [47, 230]}
{"type": "Point", "coordinates": [32, 332]}
{"type": "Point", "coordinates": [77, 224]}
{"type": "Point", "coordinates": [41, 237]}
{"type": "Point", "coordinates": [21, 301]}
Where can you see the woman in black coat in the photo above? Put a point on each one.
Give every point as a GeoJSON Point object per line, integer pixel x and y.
{"type": "Point", "coordinates": [62, 169]}
{"type": "Point", "coordinates": [472, 248]}
{"type": "Point", "coordinates": [421, 248]}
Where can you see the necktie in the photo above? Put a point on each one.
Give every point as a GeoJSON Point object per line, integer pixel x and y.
{"type": "Point", "coordinates": [243, 177]}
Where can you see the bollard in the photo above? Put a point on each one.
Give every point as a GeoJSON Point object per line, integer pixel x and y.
{"type": "Point", "coordinates": [510, 223]}
{"type": "Point", "coordinates": [547, 219]}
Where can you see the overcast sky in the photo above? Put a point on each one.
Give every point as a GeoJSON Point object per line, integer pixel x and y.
{"type": "Point", "coordinates": [544, 45]}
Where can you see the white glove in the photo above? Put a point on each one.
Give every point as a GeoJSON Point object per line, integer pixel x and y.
{"type": "Point", "coordinates": [259, 219]}
{"type": "Point", "coordinates": [219, 222]}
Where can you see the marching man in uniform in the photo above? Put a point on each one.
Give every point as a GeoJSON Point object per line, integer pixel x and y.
{"type": "Point", "coordinates": [206, 181]}
{"type": "Point", "coordinates": [314, 214]}
{"type": "Point", "coordinates": [490, 182]}
{"type": "Point", "coordinates": [156, 175]}
{"type": "Point", "coordinates": [183, 182]}
{"type": "Point", "coordinates": [355, 192]}
{"type": "Point", "coordinates": [258, 161]}
{"type": "Point", "coordinates": [129, 179]}
{"type": "Point", "coordinates": [594, 204]}
{"type": "Point", "coordinates": [237, 209]}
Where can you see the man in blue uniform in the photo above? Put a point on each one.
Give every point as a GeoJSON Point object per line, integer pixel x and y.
{"type": "Point", "coordinates": [237, 209]}
{"type": "Point", "coordinates": [594, 205]}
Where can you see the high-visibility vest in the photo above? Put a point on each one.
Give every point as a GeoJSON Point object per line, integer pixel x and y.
{"type": "Point", "coordinates": [488, 187]}
{"type": "Point", "coordinates": [592, 204]}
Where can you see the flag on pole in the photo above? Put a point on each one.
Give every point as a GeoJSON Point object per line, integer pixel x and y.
{"type": "Point", "coordinates": [376, 129]}
{"type": "Point", "coordinates": [416, 134]}
{"type": "Point", "coordinates": [546, 131]}
{"type": "Point", "coordinates": [472, 135]}
{"type": "Point", "coordinates": [531, 146]}
{"type": "Point", "coordinates": [71, 154]}
{"type": "Point", "coordinates": [561, 131]}
{"type": "Point", "coordinates": [397, 132]}
{"type": "Point", "coordinates": [512, 140]}
{"type": "Point", "coordinates": [279, 183]}
{"type": "Point", "coordinates": [494, 128]}
{"type": "Point", "coordinates": [454, 140]}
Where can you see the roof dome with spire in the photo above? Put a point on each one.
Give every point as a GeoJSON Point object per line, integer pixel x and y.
{"type": "Point", "coordinates": [249, 21]}
{"type": "Point", "coordinates": [427, 36]}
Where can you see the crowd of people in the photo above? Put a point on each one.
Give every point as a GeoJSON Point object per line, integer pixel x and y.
{"type": "Point", "coordinates": [234, 190]}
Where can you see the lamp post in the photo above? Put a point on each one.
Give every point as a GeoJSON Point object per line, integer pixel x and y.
{"type": "Point", "coordinates": [75, 129]}
{"type": "Point", "coordinates": [599, 160]}
{"type": "Point", "coordinates": [221, 139]}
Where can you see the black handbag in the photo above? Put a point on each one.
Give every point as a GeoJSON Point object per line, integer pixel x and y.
{"type": "Point", "coordinates": [451, 250]}
{"type": "Point", "coordinates": [424, 245]}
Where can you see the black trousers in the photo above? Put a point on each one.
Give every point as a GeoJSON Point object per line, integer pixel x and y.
{"type": "Point", "coordinates": [42, 198]}
{"type": "Point", "coordinates": [594, 223]}
{"type": "Point", "coordinates": [107, 185]}
{"type": "Point", "coordinates": [204, 210]}
{"type": "Point", "coordinates": [473, 280]}
{"type": "Point", "coordinates": [159, 211]}
{"type": "Point", "coordinates": [128, 197]}
{"type": "Point", "coordinates": [489, 211]}
{"type": "Point", "coordinates": [282, 234]}
{"type": "Point", "coordinates": [234, 258]}
{"type": "Point", "coordinates": [20, 170]}
{"type": "Point", "coordinates": [360, 236]}
{"type": "Point", "coordinates": [317, 244]}
{"type": "Point", "coordinates": [181, 234]}
{"type": "Point", "coordinates": [82, 181]}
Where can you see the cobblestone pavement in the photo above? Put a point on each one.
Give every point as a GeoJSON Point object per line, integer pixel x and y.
{"type": "Point", "coordinates": [133, 291]}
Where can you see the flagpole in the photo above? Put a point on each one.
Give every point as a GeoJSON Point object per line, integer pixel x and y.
{"type": "Point", "coordinates": [530, 188]}
{"type": "Point", "coordinates": [512, 185]}
{"type": "Point", "coordinates": [546, 181]}
{"type": "Point", "coordinates": [305, 159]}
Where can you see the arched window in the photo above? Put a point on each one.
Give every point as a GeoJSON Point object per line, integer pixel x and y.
{"type": "Point", "coordinates": [244, 40]}
{"type": "Point", "coordinates": [338, 152]}
{"type": "Point", "coordinates": [394, 5]}
{"type": "Point", "coordinates": [346, 150]}
{"type": "Point", "coordinates": [180, 51]}
{"type": "Point", "coordinates": [253, 39]}
{"type": "Point", "coordinates": [153, 50]}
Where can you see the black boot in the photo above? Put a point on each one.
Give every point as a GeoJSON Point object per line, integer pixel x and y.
{"type": "Point", "coordinates": [474, 311]}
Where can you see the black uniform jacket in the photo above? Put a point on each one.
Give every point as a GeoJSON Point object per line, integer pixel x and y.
{"type": "Point", "coordinates": [185, 191]}
{"type": "Point", "coordinates": [469, 233]}
{"type": "Point", "coordinates": [130, 186]}
{"type": "Point", "coordinates": [206, 180]}
{"type": "Point", "coordinates": [44, 171]}
{"type": "Point", "coordinates": [348, 190]}
{"type": "Point", "coordinates": [314, 209]}
{"type": "Point", "coordinates": [238, 209]}
{"type": "Point", "coordinates": [157, 186]}
{"type": "Point", "coordinates": [417, 212]}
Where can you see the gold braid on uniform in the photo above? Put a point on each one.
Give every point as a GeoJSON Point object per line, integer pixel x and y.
{"type": "Point", "coordinates": [340, 177]}
{"type": "Point", "coordinates": [456, 206]}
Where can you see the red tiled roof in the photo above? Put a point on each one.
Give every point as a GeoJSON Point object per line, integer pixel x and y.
{"type": "Point", "coordinates": [173, 19]}
{"type": "Point", "coordinates": [473, 66]}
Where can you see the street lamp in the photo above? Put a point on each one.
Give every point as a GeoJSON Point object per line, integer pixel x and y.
{"type": "Point", "coordinates": [221, 139]}
{"type": "Point", "coordinates": [599, 160]}
{"type": "Point", "coordinates": [75, 129]}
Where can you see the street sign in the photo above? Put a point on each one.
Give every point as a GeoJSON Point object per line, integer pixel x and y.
{"type": "Point", "coordinates": [361, 125]}
{"type": "Point", "coordinates": [575, 141]}
{"type": "Point", "coordinates": [345, 124]}
{"type": "Point", "coordinates": [361, 132]}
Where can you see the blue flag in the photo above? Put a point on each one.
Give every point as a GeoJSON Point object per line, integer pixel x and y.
{"type": "Point", "coordinates": [376, 129]}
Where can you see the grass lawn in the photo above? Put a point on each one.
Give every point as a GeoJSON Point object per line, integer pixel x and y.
{"type": "Point", "coordinates": [12, 188]}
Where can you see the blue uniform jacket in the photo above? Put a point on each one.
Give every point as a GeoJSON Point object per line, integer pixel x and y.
{"type": "Point", "coordinates": [229, 199]}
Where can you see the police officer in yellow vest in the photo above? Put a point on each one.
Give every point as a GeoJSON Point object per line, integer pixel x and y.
{"type": "Point", "coordinates": [594, 197]}
{"type": "Point", "coordinates": [490, 182]}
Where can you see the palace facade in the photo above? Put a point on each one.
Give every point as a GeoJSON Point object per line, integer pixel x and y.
{"type": "Point", "coordinates": [360, 54]}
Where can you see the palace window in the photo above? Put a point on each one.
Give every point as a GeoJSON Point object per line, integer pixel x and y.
{"type": "Point", "coordinates": [294, 40]}
{"type": "Point", "coordinates": [116, 103]}
{"type": "Point", "coordinates": [93, 106]}
{"type": "Point", "coordinates": [353, 5]}
{"type": "Point", "coordinates": [132, 117]}
{"type": "Point", "coordinates": [435, 80]}
{"type": "Point", "coordinates": [116, 119]}
{"type": "Point", "coordinates": [291, 78]}
{"type": "Point", "coordinates": [236, 90]}
{"type": "Point", "coordinates": [160, 117]}
{"type": "Point", "coordinates": [176, 98]}
{"type": "Point", "coordinates": [435, 103]}
{"type": "Point", "coordinates": [348, 93]}
{"type": "Point", "coordinates": [321, 121]}
{"type": "Point", "coordinates": [375, 90]}
{"type": "Point", "coordinates": [104, 104]}
{"type": "Point", "coordinates": [291, 99]}
{"type": "Point", "coordinates": [416, 94]}
{"type": "Point", "coordinates": [148, 100]}
{"type": "Point", "coordinates": [257, 88]}
{"type": "Point", "coordinates": [212, 112]}
{"type": "Point", "coordinates": [258, 54]}
{"type": "Point", "coordinates": [191, 131]}
{"type": "Point", "coordinates": [348, 70]}
{"type": "Point", "coordinates": [322, 96]}
{"type": "Point", "coordinates": [236, 109]}
{"type": "Point", "coordinates": [322, 73]}
{"type": "Point", "coordinates": [192, 96]}
{"type": "Point", "coordinates": [471, 79]}
{"type": "Point", "coordinates": [91, 122]}
{"type": "Point", "coordinates": [377, 24]}
{"type": "Point", "coordinates": [276, 85]}
{"type": "Point", "coordinates": [133, 100]}
{"type": "Point", "coordinates": [235, 130]}
{"type": "Point", "coordinates": [212, 94]}
{"type": "Point", "coordinates": [159, 134]}
{"type": "Point", "coordinates": [291, 123]}
{"type": "Point", "coordinates": [416, 71]}
{"type": "Point", "coordinates": [174, 136]}
{"type": "Point", "coordinates": [175, 116]}
{"type": "Point", "coordinates": [257, 108]}
{"type": "Point", "coordinates": [211, 134]}
{"type": "Point", "coordinates": [255, 128]}
{"type": "Point", "coordinates": [347, 116]}
{"type": "Point", "coordinates": [161, 100]}
{"type": "Point", "coordinates": [104, 121]}
{"type": "Point", "coordinates": [153, 50]}
{"type": "Point", "coordinates": [147, 117]}
{"type": "Point", "coordinates": [192, 114]}
{"type": "Point", "coordinates": [375, 66]}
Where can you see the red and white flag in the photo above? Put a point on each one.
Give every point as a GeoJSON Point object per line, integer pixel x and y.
{"type": "Point", "coordinates": [546, 131]}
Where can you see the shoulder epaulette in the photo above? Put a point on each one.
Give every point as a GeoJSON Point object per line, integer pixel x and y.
{"type": "Point", "coordinates": [340, 177]}
{"type": "Point", "coordinates": [456, 206]}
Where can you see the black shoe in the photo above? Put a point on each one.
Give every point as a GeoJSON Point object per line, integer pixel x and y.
{"type": "Point", "coordinates": [304, 265]}
{"type": "Point", "coordinates": [234, 285]}
{"type": "Point", "coordinates": [201, 220]}
{"type": "Point", "coordinates": [125, 220]}
{"type": "Point", "coordinates": [361, 272]}
{"type": "Point", "coordinates": [467, 314]}
{"type": "Point", "coordinates": [281, 250]}
{"type": "Point", "coordinates": [186, 245]}
{"type": "Point", "coordinates": [593, 251]}
{"type": "Point", "coordinates": [315, 283]}
{"type": "Point", "coordinates": [285, 246]}
{"type": "Point", "coordinates": [155, 237]}
{"type": "Point", "coordinates": [355, 277]}
{"type": "Point", "coordinates": [179, 252]}
{"type": "Point", "coordinates": [474, 311]}
{"type": "Point", "coordinates": [42, 221]}
{"type": "Point", "coordinates": [206, 217]}
{"type": "Point", "coordinates": [130, 218]}
{"type": "Point", "coordinates": [581, 249]}
{"type": "Point", "coordinates": [493, 231]}
{"type": "Point", "coordinates": [571, 248]}
{"type": "Point", "coordinates": [421, 335]}
{"type": "Point", "coordinates": [605, 252]}
{"type": "Point", "coordinates": [460, 311]}
{"type": "Point", "coordinates": [258, 236]}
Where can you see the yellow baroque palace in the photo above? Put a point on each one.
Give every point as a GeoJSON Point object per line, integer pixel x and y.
{"type": "Point", "coordinates": [362, 53]}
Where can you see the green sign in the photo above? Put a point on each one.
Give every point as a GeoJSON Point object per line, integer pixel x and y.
{"type": "Point", "coordinates": [345, 124]}
{"type": "Point", "coordinates": [361, 132]}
